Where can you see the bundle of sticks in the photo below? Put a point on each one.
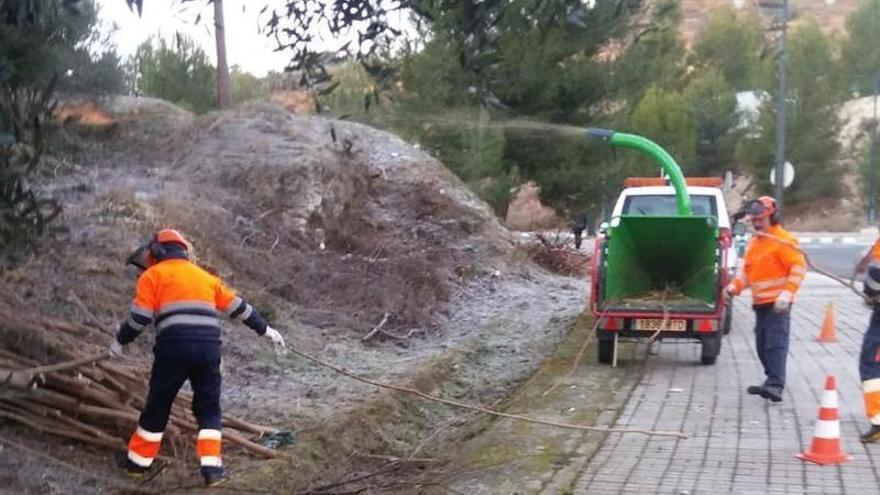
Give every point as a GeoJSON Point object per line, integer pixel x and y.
{"type": "Point", "coordinates": [86, 396]}
{"type": "Point", "coordinates": [556, 254]}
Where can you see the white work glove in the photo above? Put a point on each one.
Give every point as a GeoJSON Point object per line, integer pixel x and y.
{"type": "Point", "coordinates": [276, 338]}
{"type": "Point", "coordinates": [783, 302]}
{"type": "Point", "coordinates": [729, 292]}
{"type": "Point", "coordinates": [115, 349]}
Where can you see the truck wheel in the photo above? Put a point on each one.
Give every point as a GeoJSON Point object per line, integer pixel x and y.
{"type": "Point", "coordinates": [728, 320]}
{"type": "Point", "coordinates": [606, 350]}
{"type": "Point", "coordinates": [711, 347]}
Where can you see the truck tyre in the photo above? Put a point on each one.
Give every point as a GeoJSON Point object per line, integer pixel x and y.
{"type": "Point", "coordinates": [727, 324]}
{"type": "Point", "coordinates": [606, 350]}
{"type": "Point", "coordinates": [711, 347]}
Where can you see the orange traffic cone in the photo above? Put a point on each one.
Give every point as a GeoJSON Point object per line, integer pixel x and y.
{"type": "Point", "coordinates": [826, 439]}
{"type": "Point", "coordinates": [828, 333]}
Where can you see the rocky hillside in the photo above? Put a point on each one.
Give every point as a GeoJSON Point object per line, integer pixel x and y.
{"type": "Point", "coordinates": [335, 231]}
{"type": "Point", "coordinates": [324, 214]}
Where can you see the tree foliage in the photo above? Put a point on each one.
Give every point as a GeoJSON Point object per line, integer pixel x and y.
{"type": "Point", "coordinates": [180, 73]}
{"type": "Point", "coordinates": [860, 53]}
{"type": "Point", "coordinates": [712, 104]}
{"type": "Point", "coordinates": [245, 86]}
{"type": "Point", "coordinates": [36, 38]}
{"type": "Point", "coordinates": [655, 58]}
{"type": "Point", "coordinates": [732, 43]}
{"type": "Point", "coordinates": [667, 119]}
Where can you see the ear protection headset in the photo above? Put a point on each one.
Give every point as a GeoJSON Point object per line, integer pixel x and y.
{"type": "Point", "coordinates": [763, 207]}
{"type": "Point", "coordinates": [157, 247]}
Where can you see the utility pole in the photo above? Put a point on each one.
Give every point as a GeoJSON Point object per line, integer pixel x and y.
{"type": "Point", "coordinates": [781, 113]}
{"type": "Point", "coordinates": [223, 97]}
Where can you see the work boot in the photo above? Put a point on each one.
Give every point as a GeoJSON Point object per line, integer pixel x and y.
{"type": "Point", "coordinates": [755, 390]}
{"type": "Point", "coordinates": [872, 435]}
{"type": "Point", "coordinates": [214, 477]}
{"type": "Point", "coordinates": [141, 474]}
{"type": "Point", "coordinates": [772, 393]}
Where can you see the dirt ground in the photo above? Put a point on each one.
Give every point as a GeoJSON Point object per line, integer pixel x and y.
{"type": "Point", "coordinates": [329, 228]}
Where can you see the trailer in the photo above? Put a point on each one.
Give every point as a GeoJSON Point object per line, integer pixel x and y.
{"type": "Point", "coordinates": [662, 260]}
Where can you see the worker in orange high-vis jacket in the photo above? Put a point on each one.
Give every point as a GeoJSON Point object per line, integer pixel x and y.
{"type": "Point", "coordinates": [869, 358]}
{"type": "Point", "coordinates": [871, 258]}
{"type": "Point", "coordinates": [773, 268]}
{"type": "Point", "coordinates": [183, 302]}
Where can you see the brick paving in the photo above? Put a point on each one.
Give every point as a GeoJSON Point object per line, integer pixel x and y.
{"type": "Point", "coordinates": [740, 443]}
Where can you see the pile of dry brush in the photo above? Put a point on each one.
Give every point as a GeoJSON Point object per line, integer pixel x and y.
{"type": "Point", "coordinates": [556, 253]}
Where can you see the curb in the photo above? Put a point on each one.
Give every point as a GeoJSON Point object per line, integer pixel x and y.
{"type": "Point", "coordinates": [847, 239]}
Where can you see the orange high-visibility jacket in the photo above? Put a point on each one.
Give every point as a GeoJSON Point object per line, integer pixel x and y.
{"type": "Point", "coordinates": [875, 252]}
{"type": "Point", "coordinates": [771, 267]}
{"type": "Point", "coordinates": [184, 302]}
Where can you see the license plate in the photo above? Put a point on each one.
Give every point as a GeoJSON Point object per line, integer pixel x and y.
{"type": "Point", "coordinates": [654, 325]}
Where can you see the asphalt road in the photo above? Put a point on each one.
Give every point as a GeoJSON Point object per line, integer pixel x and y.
{"type": "Point", "coordinates": [839, 259]}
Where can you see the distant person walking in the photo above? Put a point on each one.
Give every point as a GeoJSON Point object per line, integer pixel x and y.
{"type": "Point", "coordinates": [581, 224]}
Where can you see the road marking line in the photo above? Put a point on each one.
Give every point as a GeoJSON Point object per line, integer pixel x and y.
{"type": "Point", "coordinates": [826, 240]}
{"type": "Point", "coordinates": [805, 240]}
{"type": "Point", "coordinates": [849, 240]}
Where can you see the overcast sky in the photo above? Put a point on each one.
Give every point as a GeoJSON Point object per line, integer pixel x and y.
{"type": "Point", "coordinates": [245, 46]}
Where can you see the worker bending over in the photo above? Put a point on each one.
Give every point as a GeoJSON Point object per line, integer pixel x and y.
{"type": "Point", "coordinates": [774, 268]}
{"type": "Point", "coordinates": [184, 303]}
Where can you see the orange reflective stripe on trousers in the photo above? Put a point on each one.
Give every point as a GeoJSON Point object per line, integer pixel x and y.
{"type": "Point", "coordinates": [872, 399]}
{"type": "Point", "coordinates": [208, 447]}
{"type": "Point", "coordinates": [143, 447]}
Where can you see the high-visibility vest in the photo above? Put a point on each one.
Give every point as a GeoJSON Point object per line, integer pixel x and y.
{"type": "Point", "coordinates": [771, 267]}
{"type": "Point", "coordinates": [183, 302]}
{"type": "Point", "coordinates": [875, 253]}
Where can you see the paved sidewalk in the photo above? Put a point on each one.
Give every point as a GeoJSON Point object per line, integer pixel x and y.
{"type": "Point", "coordinates": [740, 443]}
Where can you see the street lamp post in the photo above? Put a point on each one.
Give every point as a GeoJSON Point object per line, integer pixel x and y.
{"type": "Point", "coordinates": [782, 94]}
{"type": "Point", "coordinates": [872, 180]}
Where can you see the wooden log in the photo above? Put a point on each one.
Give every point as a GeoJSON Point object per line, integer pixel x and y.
{"type": "Point", "coordinates": [71, 381]}
{"type": "Point", "coordinates": [100, 395]}
{"type": "Point", "coordinates": [16, 379]}
{"type": "Point", "coordinates": [242, 425]}
{"type": "Point", "coordinates": [33, 407]}
{"type": "Point", "coordinates": [51, 398]}
{"type": "Point", "coordinates": [94, 373]}
{"type": "Point", "coordinates": [256, 448]}
{"type": "Point", "coordinates": [57, 415]}
{"type": "Point", "coordinates": [11, 364]}
{"type": "Point", "coordinates": [231, 436]}
{"type": "Point", "coordinates": [122, 371]}
{"type": "Point", "coordinates": [18, 357]}
{"type": "Point", "coordinates": [231, 421]}
{"type": "Point", "coordinates": [73, 406]}
{"type": "Point", "coordinates": [68, 364]}
{"type": "Point", "coordinates": [37, 425]}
